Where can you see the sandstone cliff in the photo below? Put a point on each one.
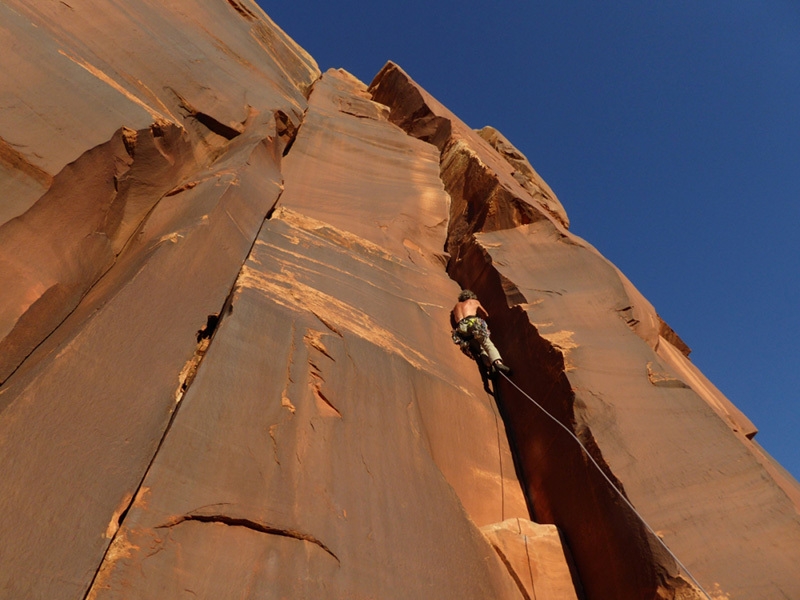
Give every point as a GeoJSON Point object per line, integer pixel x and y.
{"type": "Point", "coordinates": [225, 356]}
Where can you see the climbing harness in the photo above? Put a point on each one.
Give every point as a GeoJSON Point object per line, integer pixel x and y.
{"type": "Point", "coordinates": [469, 332]}
{"type": "Point", "coordinates": [614, 487]}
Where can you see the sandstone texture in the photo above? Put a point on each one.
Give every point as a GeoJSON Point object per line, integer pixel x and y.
{"type": "Point", "coordinates": [225, 359]}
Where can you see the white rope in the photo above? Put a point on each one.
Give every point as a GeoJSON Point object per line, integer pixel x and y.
{"type": "Point", "coordinates": [611, 483]}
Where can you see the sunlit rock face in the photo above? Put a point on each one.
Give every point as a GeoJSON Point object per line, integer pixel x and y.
{"type": "Point", "coordinates": [225, 345]}
{"type": "Point", "coordinates": [590, 349]}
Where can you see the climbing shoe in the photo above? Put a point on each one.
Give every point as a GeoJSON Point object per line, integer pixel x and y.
{"type": "Point", "coordinates": [499, 366]}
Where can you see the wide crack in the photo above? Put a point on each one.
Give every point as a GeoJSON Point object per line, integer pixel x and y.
{"type": "Point", "coordinates": [559, 483]}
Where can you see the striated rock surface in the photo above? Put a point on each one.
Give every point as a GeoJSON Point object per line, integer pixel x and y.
{"type": "Point", "coordinates": [225, 358]}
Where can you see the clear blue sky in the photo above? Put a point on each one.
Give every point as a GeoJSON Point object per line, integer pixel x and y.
{"type": "Point", "coordinates": [670, 131]}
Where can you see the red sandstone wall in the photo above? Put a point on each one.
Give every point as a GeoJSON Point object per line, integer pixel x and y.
{"type": "Point", "coordinates": [225, 364]}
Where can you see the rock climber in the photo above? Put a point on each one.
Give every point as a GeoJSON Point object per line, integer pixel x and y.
{"type": "Point", "coordinates": [471, 332]}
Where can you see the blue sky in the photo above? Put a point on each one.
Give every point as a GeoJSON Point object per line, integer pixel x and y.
{"type": "Point", "coordinates": [670, 131]}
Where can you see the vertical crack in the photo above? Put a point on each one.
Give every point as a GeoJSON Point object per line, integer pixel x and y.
{"type": "Point", "coordinates": [205, 338]}
{"type": "Point", "coordinates": [512, 572]}
{"type": "Point", "coordinates": [56, 305]}
{"type": "Point", "coordinates": [480, 202]}
{"type": "Point", "coordinates": [287, 132]}
{"type": "Point", "coordinates": [500, 459]}
{"type": "Point", "coordinates": [528, 557]}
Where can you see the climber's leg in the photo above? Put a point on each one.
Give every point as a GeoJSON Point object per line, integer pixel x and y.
{"type": "Point", "coordinates": [494, 356]}
{"type": "Point", "coordinates": [490, 350]}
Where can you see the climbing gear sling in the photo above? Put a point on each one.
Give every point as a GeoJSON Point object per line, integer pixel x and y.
{"type": "Point", "coordinates": [469, 334]}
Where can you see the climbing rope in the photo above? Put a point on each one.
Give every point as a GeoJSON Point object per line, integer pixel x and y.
{"type": "Point", "coordinates": [614, 487]}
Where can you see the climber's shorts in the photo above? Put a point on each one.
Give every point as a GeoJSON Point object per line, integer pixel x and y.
{"type": "Point", "coordinates": [469, 329]}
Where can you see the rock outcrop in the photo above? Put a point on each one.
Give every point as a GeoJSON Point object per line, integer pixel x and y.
{"type": "Point", "coordinates": [225, 357]}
